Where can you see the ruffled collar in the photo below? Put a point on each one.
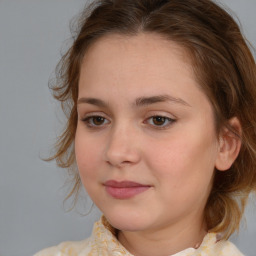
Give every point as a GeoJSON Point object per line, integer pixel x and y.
{"type": "Point", "coordinates": [106, 243]}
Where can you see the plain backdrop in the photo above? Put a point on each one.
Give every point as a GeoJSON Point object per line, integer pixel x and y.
{"type": "Point", "coordinates": [32, 216]}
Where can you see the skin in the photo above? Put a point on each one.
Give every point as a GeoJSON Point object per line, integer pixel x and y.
{"type": "Point", "coordinates": [176, 157]}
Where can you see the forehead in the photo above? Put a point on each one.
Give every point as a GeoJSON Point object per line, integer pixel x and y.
{"type": "Point", "coordinates": [147, 54]}
{"type": "Point", "coordinates": [143, 41]}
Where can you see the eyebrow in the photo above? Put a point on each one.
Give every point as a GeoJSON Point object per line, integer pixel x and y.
{"type": "Point", "coordinates": [144, 101]}
{"type": "Point", "coordinates": [92, 101]}
{"type": "Point", "coordinates": [139, 102]}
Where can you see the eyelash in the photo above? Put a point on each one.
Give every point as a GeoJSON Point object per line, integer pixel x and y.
{"type": "Point", "coordinates": [89, 121]}
{"type": "Point", "coordinates": [169, 121]}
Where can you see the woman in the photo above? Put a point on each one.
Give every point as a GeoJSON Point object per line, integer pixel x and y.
{"type": "Point", "coordinates": [161, 125]}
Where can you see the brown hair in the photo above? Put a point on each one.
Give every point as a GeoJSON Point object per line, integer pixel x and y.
{"type": "Point", "coordinates": [222, 62]}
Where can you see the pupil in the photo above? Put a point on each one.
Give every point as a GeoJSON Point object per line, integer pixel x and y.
{"type": "Point", "coordinates": [98, 120]}
{"type": "Point", "coordinates": [158, 120]}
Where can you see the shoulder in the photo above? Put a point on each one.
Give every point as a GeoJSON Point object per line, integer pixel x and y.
{"type": "Point", "coordinates": [69, 248]}
{"type": "Point", "coordinates": [228, 248]}
{"type": "Point", "coordinates": [212, 246]}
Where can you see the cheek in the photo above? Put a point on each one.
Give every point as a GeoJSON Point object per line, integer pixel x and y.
{"type": "Point", "coordinates": [184, 158]}
{"type": "Point", "coordinates": [87, 153]}
{"type": "Point", "coordinates": [184, 172]}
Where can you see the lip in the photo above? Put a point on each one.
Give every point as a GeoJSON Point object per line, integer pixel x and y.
{"type": "Point", "coordinates": [124, 189]}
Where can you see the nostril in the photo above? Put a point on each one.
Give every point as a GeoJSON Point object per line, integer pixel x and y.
{"type": "Point", "coordinates": [119, 164]}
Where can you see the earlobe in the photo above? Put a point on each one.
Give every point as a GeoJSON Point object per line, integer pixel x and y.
{"type": "Point", "coordinates": [229, 145]}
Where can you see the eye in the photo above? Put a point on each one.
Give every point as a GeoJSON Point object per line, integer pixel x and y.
{"type": "Point", "coordinates": [95, 121]}
{"type": "Point", "coordinates": [160, 121]}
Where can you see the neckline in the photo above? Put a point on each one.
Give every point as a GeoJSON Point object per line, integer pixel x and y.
{"type": "Point", "coordinates": [110, 237]}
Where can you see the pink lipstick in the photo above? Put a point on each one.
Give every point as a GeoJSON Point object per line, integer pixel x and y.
{"type": "Point", "coordinates": [124, 189]}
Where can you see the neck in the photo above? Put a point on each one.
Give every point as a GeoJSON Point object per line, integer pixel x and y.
{"type": "Point", "coordinates": [164, 241]}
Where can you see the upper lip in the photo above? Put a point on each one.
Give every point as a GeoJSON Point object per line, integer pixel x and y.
{"type": "Point", "coordinates": [123, 184]}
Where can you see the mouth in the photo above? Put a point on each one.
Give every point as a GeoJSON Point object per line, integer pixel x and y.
{"type": "Point", "coordinates": [124, 189]}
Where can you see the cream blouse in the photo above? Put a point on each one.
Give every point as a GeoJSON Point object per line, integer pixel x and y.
{"type": "Point", "coordinates": [103, 242]}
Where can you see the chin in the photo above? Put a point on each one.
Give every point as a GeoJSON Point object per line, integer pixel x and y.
{"type": "Point", "coordinates": [128, 221]}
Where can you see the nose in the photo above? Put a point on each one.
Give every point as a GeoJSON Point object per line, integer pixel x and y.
{"type": "Point", "coordinates": [122, 148]}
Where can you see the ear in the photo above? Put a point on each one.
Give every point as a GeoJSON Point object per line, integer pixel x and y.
{"type": "Point", "coordinates": [229, 145]}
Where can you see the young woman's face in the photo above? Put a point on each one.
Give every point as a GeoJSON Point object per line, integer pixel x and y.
{"type": "Point", "coordinates": [145, 144]}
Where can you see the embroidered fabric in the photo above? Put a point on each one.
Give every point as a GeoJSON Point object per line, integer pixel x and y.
{"type": "Point", "coordinates": [103, 242]}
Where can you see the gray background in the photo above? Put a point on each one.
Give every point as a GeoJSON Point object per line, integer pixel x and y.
{"type": "Point", "coordinates": [32, 216]}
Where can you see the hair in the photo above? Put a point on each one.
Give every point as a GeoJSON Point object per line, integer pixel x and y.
{"type": "Point", "coordinates": [223, 64]}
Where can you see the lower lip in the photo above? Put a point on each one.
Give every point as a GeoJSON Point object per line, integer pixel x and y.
{"type": "Point", "coordinates": [125, 193]}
